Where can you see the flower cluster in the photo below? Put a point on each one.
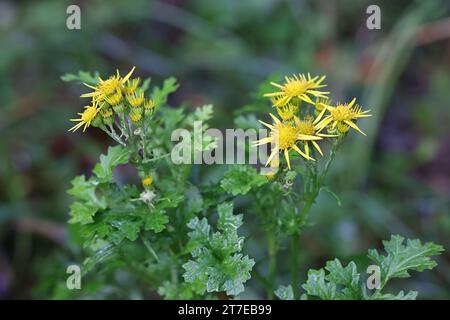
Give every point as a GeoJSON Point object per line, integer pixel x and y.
{"type": "Point", "coordinates": [114, 99]}
{"type": "Point", "coordinates": [306, 117]}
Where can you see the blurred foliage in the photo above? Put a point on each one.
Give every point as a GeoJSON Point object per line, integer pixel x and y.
{"type": "Point", "coordinates": [220, 51]}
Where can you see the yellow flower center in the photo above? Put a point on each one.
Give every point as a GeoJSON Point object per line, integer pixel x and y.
{"type": "Point", "coordinates": [341, 112]}
{"type": "Point", "coordinates": [306, 127]}
{"type": "Point", "coordinates": [106, 113]}
{"type": "Point", "coordinates": [296, 87]}
{"type": "Point", "coordinates": [89, 113]}
{"type": "Point", "coordinates": [147, 181]}
{"type": "Point", "coordinates": [109, 86]}
{"type": "Point", "coordinates": [285, 135]}
{"type": "Point", "coordinates": [135, 116]}
{"type": "Point", "coordinates": [115, 98]}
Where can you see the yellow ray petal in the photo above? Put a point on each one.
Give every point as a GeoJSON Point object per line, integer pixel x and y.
{"type": "Point", "coordinates": [320, 114]}
{"type": "Point", "coordinates": [90, 86]}
{"type": "Point", "coordinates": [307, 137]}
{"type": "Point", "coordinates": [125, 79]}
{"type": "Point", "coordinates": [76, 127]}
{"type": "Point", "coordinates": [262, 141]}
{"type": "Point", "coordinates": [275, 118]}
{"type": "Point", "coordinates": [352, 103]}
{"type": "Point", "coordinates": [324, 122]}
{"type": "Point", "coordinates": [283, 101]}
{"type": "Point", "coordinates": [273, 94]}
{"type": "Point", "coordinates": [316, 145]}
{"type": "Point", "coordinates": [300, 152]}
{"type": "Point", "coordinates": [88, 95]}
{"type": "Point", "coordinates": [274, 152]}
{"type": "Point", "coordinates": [317, 93]}
{"type": "Point", "coordinates": [286, 156]}
{"type": "Point", "coordinates": [305, 98]}
{"type": "Point", "coordinates": [266, 124]}
{"type": "Point", "coordinates": [354, 126]}
{"type": "Point", "coordinates": [277, 85]}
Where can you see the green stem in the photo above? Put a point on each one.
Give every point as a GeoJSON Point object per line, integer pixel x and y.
{"type": "Point", "coordinates": [294, 263]}
{"type": "Point", "coordinates": [272, 250]}
{"type": "Point", "coordinates": [311, 193]}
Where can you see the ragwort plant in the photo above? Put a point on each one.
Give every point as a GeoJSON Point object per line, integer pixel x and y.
{"type": "Point", "coordinates": [182, 239]}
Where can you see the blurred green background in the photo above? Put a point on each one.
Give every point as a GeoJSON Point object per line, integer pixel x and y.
{"type": "Point", "coordinates": [396, 180]}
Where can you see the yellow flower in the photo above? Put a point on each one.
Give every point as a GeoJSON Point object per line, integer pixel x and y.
{"type": "Point", "coordinates": [320, 104]}
{"type": "Point", "coordinates": [342, 117]}
{"type": "Point", "coordinates": [283, 137]}
{"type": "Point", "coordinates": [131, 87]}
{"type": "Point", "coordinates": [136, 115]}
{"type": "Point", "coordinates": [270, 175]}
{"type": "Point", "coordinates": [105, 88]}
{"type": "Point", "coordinates": [115, 98]}
{"type": "Point", "coordinates": [107, 115]}
{"type": "Point", "coordinates": [86, 117]}
{"type": "Point", "coordinates": [147, 181]}
{"type": "Point", "coordinates": [298, 86]}
{"type": "Point", "coordinates": [136, 100]}
{"type": "Point", "coordinates": [306, 127]}
{"type": "Point", "coordinates": [149, 104]}
{"type": "Point", "coordinates": [287, 112]}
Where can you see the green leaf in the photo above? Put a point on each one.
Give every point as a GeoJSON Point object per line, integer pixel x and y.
{"type": "Point", "coordinates": [156, 220]}
{"type": "Point", "coordinates": [411, 295]}
{"type": "Point", "coordinates": [82, 77]}
{"type": "Point", "coordinates": [115, 156]}
{"type": "Point", "coordinates": [217, 263]}
{"type": "Point", "coordinates": [82, 213]}
{"type": "Point", "coordinates": [88, 204]}
{"type": "Point", "coordinates": [159, 95]}
{"type": "Point", "coordinates": [227, 220]}
{"type": "Point", "coordinates": [124, 229]}
{"type": "Point", "coordinates": [317, 286]}
{"type": "Point", "coordinates": [348, 277]}
{"type": "Point", "coordinates": [240, 179]}
{"type": "Point", "coordinates": [344, 282]}
{"type": "Point", "coordinates": [204, 113]}
{"type": "Point", "coordinates": [200, 229]}
{"type": "Point", "coordinates": [401, 259]}
{"type": "Point", "coordinates": [285, 293]}
{"type": "Point", "coordinates": [86, 191]}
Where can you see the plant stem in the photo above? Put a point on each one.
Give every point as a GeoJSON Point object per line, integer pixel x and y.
{"type": "Point", "coordinates": [311, 195]}
{"type": "Point", "coordinates": [294, 263]}
{"type": "Point", "coordinates": [113, 135]}
{"type": "Point", "coordinates": [272, 250]}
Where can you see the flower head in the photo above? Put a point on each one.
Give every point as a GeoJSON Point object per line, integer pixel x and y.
{"type": "Point", "coordinates": [297, 86]}
{"type": "Point", "coordinates": [107, 115]}
{"type": "Point", "coordinates": [284, 137]}
{"type": "Point", "coordinates": [287, 112]}
{"type": "Point", "coordinates": [342, 117]}
{"type": "Point", "coordinates": [149, 104]}
{"type": "Point", "coordinates": [135, 99]}
{"type": "Point", "coordinates": [115, 98]}
{"type": "Point", "coordinates": [147, 181]}
{"type": "Point", "coordinates": [108, 87]}
{"type": "Point", "coordinates": [131, 86]}
{"type": "Point", "coordinates": [86, 117]}
{"type": "Point", "coordinates": [306, 127]}
{"type": "Point", "coordinates": [136, 115]}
